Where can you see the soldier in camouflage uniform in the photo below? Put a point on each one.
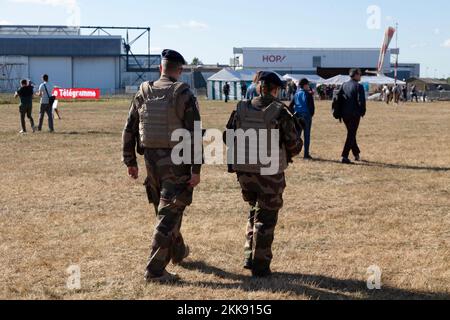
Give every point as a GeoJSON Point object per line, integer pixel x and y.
{"type": "Point", "coordinates": [264, 193]}
{"type": "Point", "coordinates": [158, 109]}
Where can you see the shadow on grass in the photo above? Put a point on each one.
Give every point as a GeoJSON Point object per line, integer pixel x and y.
{"type": "Point", "coordinates": [312, 286]}
{"type": "Point", "coordinates": [87, 133]}
{"type": "Point", "coordinates": [388, 165]}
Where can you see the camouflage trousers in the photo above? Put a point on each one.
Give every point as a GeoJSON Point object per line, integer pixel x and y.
{"type": "Point", "coordinates": [168, 190]}
{"type": "Point", "coordinates": [263, 218]}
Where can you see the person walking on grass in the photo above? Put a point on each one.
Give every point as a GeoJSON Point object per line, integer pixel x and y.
{"type": "Point", "coordinates": [158, 110]}
{"type": "Point", "coordinates": [405, 93]}
{"type": "Point", "coordinates": [414, 94]}
{"type": "Point", "coordinates": [25, 93]}
{"type": "Point", "coordinates": [226, 92]}
{"type": "Point", "coordinates": [352, 104]}
{"type": "Point", "coordinates": [244, 89]}
{"type": "Point", "coordinates": [45, 92]}
{"type": "Point", "coordinates": [263, 191]}
{"type": "Point", "coordinates": [304, 107]}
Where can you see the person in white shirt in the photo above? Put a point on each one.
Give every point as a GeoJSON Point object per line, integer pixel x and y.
{"type": "Point", "coordinates": [45, 92]}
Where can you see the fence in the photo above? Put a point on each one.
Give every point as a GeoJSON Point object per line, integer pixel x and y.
{"type": "Point", "coordinates": [439, 95]}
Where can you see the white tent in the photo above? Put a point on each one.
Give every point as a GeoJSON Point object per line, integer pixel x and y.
{"type": "Point", "coordinates": [297, 77]}
{"type": "Point", "coordinates": [380, 80]}
{"type": "Point", "coordinates": [337, 80]}
{"type": "Point", "coordinates": [231, 75]}
{"type": "Point", "coordinates": [234, 78]}
{"type": "Point", "coordinates": [369, 80]}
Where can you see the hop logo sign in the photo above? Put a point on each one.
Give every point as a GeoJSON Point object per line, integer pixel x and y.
{"type": "Point", "coordinates": [74, 279]}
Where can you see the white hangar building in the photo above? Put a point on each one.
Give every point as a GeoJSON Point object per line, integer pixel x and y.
{"type": "Point", "coordinates": [323, 62]}
{"type": "Point", "coordinates": [74, 60]}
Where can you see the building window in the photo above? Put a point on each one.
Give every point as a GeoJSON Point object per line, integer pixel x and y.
{"type": "Point", "coordinates": [317, 62]}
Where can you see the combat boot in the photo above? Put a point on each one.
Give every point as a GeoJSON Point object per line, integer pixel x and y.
{"type": "Point", "coordinates": [262, 273]}
{"type": "Point", "coordinates": [187, 252]}
{"type": "Point", "coordinates": [248, 264]}
{"type": "Point", "coordinates": [165, 278]}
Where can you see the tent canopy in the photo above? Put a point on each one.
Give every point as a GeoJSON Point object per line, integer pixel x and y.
{"type": "Point", "coordinates": [380, 80]}
{"type": "Point", "coordinates": [297, 77]}
{"type": "Point", "coordinates": [230, 75]}
{"type": "Point", "coordinates": [377, 80]}
{"type": "Point", "coordinates": [337, 80]}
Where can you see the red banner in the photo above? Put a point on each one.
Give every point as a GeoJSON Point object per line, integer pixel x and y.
{"type": "Point", "coordinates": [79, 94]}
{"type": "Point", "coordinates": [386, 42]}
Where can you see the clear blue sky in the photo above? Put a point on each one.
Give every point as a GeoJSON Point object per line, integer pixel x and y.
{"type": "Point", "coordinates": [209, 29]}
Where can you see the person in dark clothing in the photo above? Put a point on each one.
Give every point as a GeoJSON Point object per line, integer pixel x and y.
{"type": "Point", "coordinates": [244, 89]}
{"type": "Point", "coordinates": [25, 93]}
{"type": "Point", "coordinates": [304, 108]}
{"type": "Point", "coordinates": [226, 92]}
{"type": "Point", "coordinates": [289, 91]}
{"type": "Point", "coordinates": [353, 109]}
{"type": "Point", "coordinates": [405, 93]}
{"type": "Point", "coordinates": [414, 94]}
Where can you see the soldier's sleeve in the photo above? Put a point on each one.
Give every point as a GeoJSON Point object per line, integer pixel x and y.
{"type": "Point", "coordinates": [191, 116]}
{"type": "Point", "coordinates": [362, 97]}
{"type": "Point", "coordinates": [290, 136]}
{"type": "Point", "coordinates": [231, 125]}
{"type": "Point", "coordinates": [130, 135]}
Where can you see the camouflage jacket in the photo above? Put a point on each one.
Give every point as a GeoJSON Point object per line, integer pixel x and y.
{"type": "Point", "coordinates": [290, 136]}
{"type": "Point", "coordinates": [290, 130]}
{"type": "Point", "coordinates": [131, 136]}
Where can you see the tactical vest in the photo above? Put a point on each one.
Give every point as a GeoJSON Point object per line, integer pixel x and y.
{"type": "Point", "coordinates": [248, 118]}
{"type": "Point", "coordinates": [158, 115]}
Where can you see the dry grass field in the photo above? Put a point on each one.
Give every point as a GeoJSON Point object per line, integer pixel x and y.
{"type": "Point", "coordinates": [65, 200]}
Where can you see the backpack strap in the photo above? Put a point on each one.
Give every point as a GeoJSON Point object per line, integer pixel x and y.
{"type": "Point", "coordinates": [48, 95]}
{"type": "Point", "coordinates": [273, 112]}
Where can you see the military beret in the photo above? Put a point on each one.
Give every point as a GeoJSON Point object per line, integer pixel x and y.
{"type": "Point", "coordinates": [271, 77]}
{"type": "Point", "coordinates": [172, 55]}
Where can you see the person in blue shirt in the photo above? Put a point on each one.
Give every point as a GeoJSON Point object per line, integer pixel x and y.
{"type": "Point", "coordinates": [252, 89]}
{"type": "Point", "coordinates": [304, 108]}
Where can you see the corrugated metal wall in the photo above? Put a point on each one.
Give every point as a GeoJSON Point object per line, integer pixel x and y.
{"type": "Point", "coordinates": [59, 70]}
{"type": "Point", "coordinates": [12, 70]}
{"type": "Point", "coordinates": [77, 72]}
{"type": "Point", "coordinates": [94, 72]}
{"type": "Point", "coordinates": [60, 46]}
